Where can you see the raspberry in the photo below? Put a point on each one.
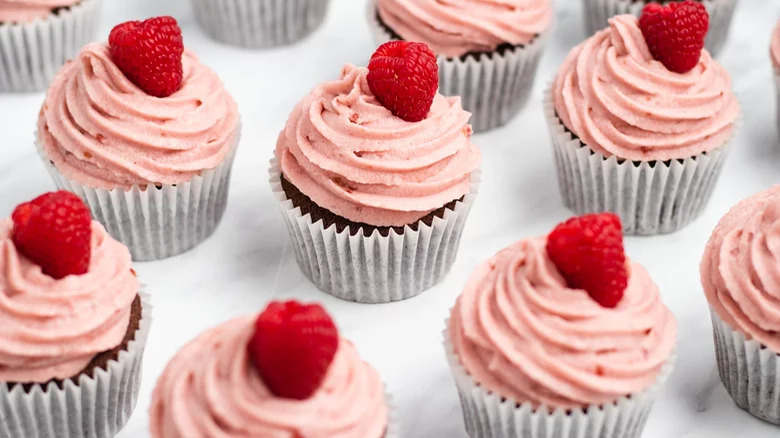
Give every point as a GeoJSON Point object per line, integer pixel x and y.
{"type": "Point", "coordinates": [293, 347]}
{"type": "Point", "coordinates": [404, 78]}
{"type": "Point", "coordinates": [675, 33]}
{"type": "Point", "coordinates": [149, 54]}
{"type": "Point", "coordinates": [588, 252]}
{"type": "Point", "coordinates": [54, 231]}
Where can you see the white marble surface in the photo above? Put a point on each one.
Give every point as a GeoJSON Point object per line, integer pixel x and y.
{"type": "Point", "coordinates": [249, 262]}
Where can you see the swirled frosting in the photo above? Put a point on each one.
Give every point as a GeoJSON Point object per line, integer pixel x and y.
{"type": "Point", "coordinates": [619, 101]}
{"type": "Point", "coordinates": [520, 332]}
{"type": "Point", "coordinates": [211, 389]}
{"type": "Point", "coordinates": [24, 11]}
{"type": "Point", "coordinates": [100, 129]}
{"type": "Point", "coordinates": [51, 329]}
{"type": "Point", "coordinates": [740, 270]}
{"type": "Point", "coordinates": [455, 27]}
{"type": "Point", "coordinates": [352, 156]}
{"type": "Point", "coordinates": [775, 46]}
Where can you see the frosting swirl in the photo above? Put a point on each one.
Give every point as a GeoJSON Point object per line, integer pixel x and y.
{"type": "Point", "coordinates": [25, 11]}
{"type": "Point", "coordinates": [456, 27]}
{"type": "Point", "coordinates": [619, 101]}
{"type": "Point", "coordinates": [740, 270]}
{"type": "Point", "coordinates": [352, 156]}
{"type": "Point", "coordinates": [210, 388]}
{"type": "Point", "coordinates": [51, 329]}
{"type": "Point", "coordinates": [100, 129]}
{"type": "Point", "coordinates": [775, 46]}
{"type": "Point", "coordinates": [520, 332]}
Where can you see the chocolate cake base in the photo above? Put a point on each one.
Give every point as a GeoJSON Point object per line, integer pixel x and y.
{"type": "Point", "coordinates": [328, 218]}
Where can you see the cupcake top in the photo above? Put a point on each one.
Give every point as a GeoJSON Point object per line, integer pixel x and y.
{"type": "Point", "coordinates": [740, 270]}
{"type": "Point", "coordinates": [348, 153]}
{"type": "Point", "coordinates": [521, 330]}
{"type": "Point", "coordinates": [101, 129]}
{"type": "Point", "coordinates": [213, 387]}
{"type": "Point", "coordinates": [456, 27]}
{"type": "Point", "coordinates": [53, 327]}
{"type": "Point", "coordinates": [620, 101]}
{"type": "Point", "coordinates": [775, 47]}
{"type": "Point", "coordinates": [25, 11]}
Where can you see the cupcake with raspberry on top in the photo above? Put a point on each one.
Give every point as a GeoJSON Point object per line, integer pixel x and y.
{"type": "Point", "coordinates": [145, 134]}
{"type": "Point", "coordinates": [640, 117]}
{"type": "Point", "coordinates": [38, 36]}
{"type": "Point", "coordinates": [74, 323]}
{"type": "Point", "coordinates": [284, 373]}
{"type": "Point", "coordinates": [375, 174]}
{"type": "Point", "coordinates": [562, 334]}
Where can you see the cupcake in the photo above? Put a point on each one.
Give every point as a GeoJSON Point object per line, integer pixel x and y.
{"type": "Point", "coordinates": [639, 130]}
{"type": "Point", "coordinates": [375, 174]}
{"type": "Point", "coordinates": [598, 12]}
{"type": "Point", "coordinates": [488, 55]}
{"type": "Point", "coordinates": [284, 373]}
{"type": "Point", "coordinates": [38, 36]}
{"type": "Point", "coordinates": [74, 324]}
{"type": "Point", "coordinates": [739, 273]}
{"type": "Point", "coordinates": [149, 151]}
{"type": "Point", "coordinates": [260, 23]}
{"type": "Point", "coordinates": [775, 54]}
{"type": "Point", "coordinates": [560, 336]}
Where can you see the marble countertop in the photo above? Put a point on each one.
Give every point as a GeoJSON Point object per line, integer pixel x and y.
{"type": "Point", "coordinates": [249, 261]}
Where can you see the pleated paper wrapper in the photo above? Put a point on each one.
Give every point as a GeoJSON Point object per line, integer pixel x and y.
{"type": "Point", "coordinates": [598, 12]}
{"type": "Point", "coordinates": [260, 23]}
{"type": "Point", "coordinates": [776, 71]}
{"type": "Point", "coordinates": [494, 87]}
{"type": "Point", "coordinates": [32, 53]}
{"type": "Point", "coordinates": [749, 371]}
{"type": "Point", "coordinates": [157, 222]}
{"type": "Point", "coordinates": [374, 269]}
{"type": "Point", "coordinates": [94, 407]}
{"type": "Point", "coordinates": [650, 197]}
{"type": "Point", "coordinates": [488, 415]}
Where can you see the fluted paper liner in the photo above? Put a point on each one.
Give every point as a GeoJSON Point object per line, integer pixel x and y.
{"type": "Point", "coordinates": [650, 197]}
{"type": "Point", "coordinates": [777, 93]}
{"type": "Point", "coordinates": [598, 12]}
{"type": "Point", "coordinates": [494, 87]}
{"type": "Point", "coordinates": [157, 222]}
{"type": "Point", "coordinates": [374, 269]}
{"type": "Point", "coordinates": [32, 53]}
{"type": "Point", "coordinates": [96, 406]}
{"type": "Point", "coordinates": [488, 415]}
{"type": "Point", "coordinates": [259, 23]}
{"type": "Point", "coordinates": [749, 371]}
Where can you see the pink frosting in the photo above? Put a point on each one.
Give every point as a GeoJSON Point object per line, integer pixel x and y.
{"type": "Point", "coordinates": [775, 47]}
{"type": "Point", "coordinates": [619, 101]}
{"type": "Point", "coordinates": [520, 332]}
{"type": "Point", "coordinates": [51, 329]}
{"type": "Point", "coordinates": [211, 389]}
{"type": "Point", "coordinates": [25, 11]}
{"type": "Point", "coordinates": [455, 27]}
{"type": "Point", "coordinates": [352, 156]}
{"type": "Point", "coordinates": [102, 130]}
{"type": "Point", "coordinates": [740, 270]}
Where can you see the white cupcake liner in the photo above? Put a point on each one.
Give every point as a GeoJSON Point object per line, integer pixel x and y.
{"type": "Point", "coordinates": [32, 53]}
{"type": "Point", "coordinates": [260, 23]}
{"type": "Point", "coordinates": [94, 407]}
{"type": "Point", "coordinates": [598, 12]}
{"type": "Point", "coordinates": [494, 87]}
{"type": "Point", "coordinates": [749, 371]}
{"type": "Point", "coordinates": [650, 197]}
{"type": "Point", "coordinates": [157, 223]}
{"type": "Point", "coordinates": [776, 71]}
{"type": "Point", "coordinates": [374, 269]}
{"type": "Point", "coordinates": [489, 415]}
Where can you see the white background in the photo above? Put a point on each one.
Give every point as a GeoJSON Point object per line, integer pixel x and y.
{"type": "Point", "coordinates": [248, 261]}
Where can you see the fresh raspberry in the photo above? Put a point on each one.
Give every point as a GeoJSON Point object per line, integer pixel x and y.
{"type": "Point", "coordinates": [675, 33]}
{"type": "Point", "coordinates": [404, 78]}
{"type": "Point", "coordinates": [54, 231]}
{"type": "Point", "coordinates": [149, 54]}
{"type": "Point", "coordinates": [588, 252]}
{"type": "Point", "coordinates": [293, 347]}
